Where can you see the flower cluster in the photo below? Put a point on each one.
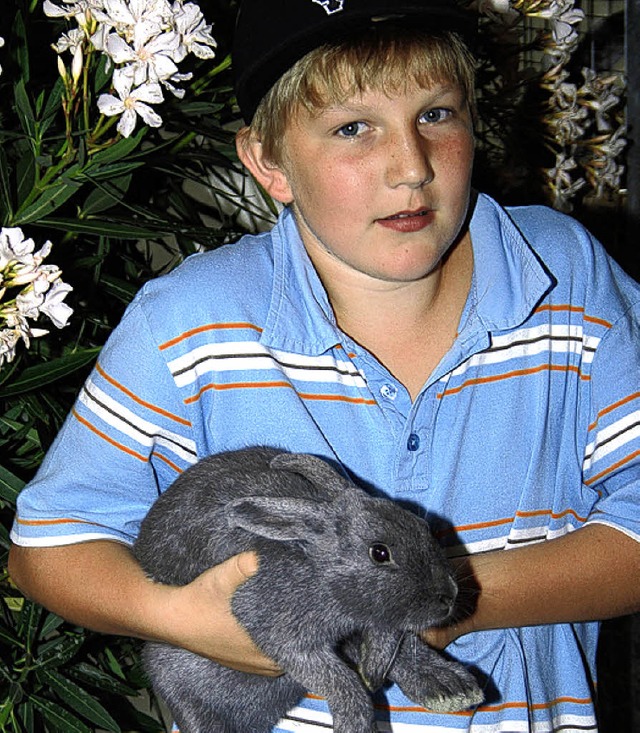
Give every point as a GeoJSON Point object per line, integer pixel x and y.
{"type": "Point", "coordinates": [33, 289]}
{"type": "Point", "coordinates": [144, 41]}
{"type": "Point", "coordinates": [586, 139]}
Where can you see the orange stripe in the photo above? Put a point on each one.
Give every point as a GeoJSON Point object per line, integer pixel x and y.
{"type": "Point", "coordinates": [509, 520]}
{"type": "Point", "coordinates": [510, 375]}
{"type": "Point", "coordinates": [137, 399]}
{"type": "Point", "coordinates": [267, 385]}
{"type": "Point", "coordinates": [573, 309]}
{"type": "Point", "coordinates": [109, 440]}
{"type": "Point", "coordinates": [204, 329]}
{"type": "Point", "coordinates": [484, 708]}
{"type": "Point", "coordinates": [49, 522]}
{"type": "Point", "coordinates": [613, 467]}
{"type": "Point", "coordinates": [169, 463]}
{"type": "Point", "coordinates": [614, 406]}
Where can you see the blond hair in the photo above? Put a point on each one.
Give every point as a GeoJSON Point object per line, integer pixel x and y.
{"type": "Point", "coordinates": [389, 61]}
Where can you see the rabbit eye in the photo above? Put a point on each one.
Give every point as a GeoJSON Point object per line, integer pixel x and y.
{"type": "Point", "coordinates": [380, 553]}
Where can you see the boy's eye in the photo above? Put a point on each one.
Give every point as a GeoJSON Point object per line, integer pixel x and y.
{"type": "Point", "coordinates": [437, 114]}
{"type": "Point", "coordinates": [351, 129]}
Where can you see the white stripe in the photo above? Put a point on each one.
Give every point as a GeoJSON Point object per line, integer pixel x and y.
{"type": "Point", "coordinates": [250, 356]}
{"type": "Point", "coordinates": [313, 721]}
{"type": "Point", "coordinates": [502, 351]}
{"type": "Point", "coordinates": [184, 448]}
{"type": "Point", "coordinates": [595, 451]}
{"type": "Point", "coordinates": [62, 539]}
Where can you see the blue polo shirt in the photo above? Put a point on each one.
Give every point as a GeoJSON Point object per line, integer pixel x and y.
{"type": "Point", "coordinates": [527, 429]}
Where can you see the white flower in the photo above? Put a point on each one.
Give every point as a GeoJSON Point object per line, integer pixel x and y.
{"type": "Point", "coordinates": [42, 291]}
{"type": "Point", "coordinates": [131, 102]}
{"type": "Point", "coordinates": [194, 31]}
{"type": "Point", "coordinates": [126, 16]}
{"type": "Point", "coordinates": [1, 45]}
{"type": "Point", "coordinates": [53, 306]}
{"type": "Point", "coordinates": [13, 246]}
{"type": "Point", "coordinates": [70, 41]}
{"type": "Point", "coordinates": [9, 338]}
{"type": "Point", "coordinates": [150, 57]}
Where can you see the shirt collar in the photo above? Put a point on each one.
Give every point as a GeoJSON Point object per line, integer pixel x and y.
{"type": "Point", "coordinates": [508, 282]}
{"type": "Point", "coordinates": [300, 317]}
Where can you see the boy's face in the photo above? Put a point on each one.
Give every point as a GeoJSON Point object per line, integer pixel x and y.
{"type": "Point", "coordinates": [380, 184]}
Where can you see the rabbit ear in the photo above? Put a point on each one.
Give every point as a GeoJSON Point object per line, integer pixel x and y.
{"type": "Point", "coordinates": [278, 519]}
{"type": "Point", "coordinates": [314, 469]}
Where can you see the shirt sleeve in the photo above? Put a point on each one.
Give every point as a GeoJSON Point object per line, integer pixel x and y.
{"type": "Point", "coordinates": [126, 439]}
{"type": "Point", "coordinates": [612, 456]}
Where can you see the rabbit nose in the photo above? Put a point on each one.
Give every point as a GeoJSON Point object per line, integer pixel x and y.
{"type": "Point", "coordinates": [447, 597]}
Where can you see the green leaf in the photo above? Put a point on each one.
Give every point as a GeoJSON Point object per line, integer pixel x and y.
{"type": "Point", "coordinates": [95, 677]}
{"type": "Point", "coordinates": [25, 712]}
{"type": "Point", "coordinates": [49, 200]}
{"type": "Point", "coordinates": [102, 76]}
{"type": "Point", "coordinates": [24, 110]}
{"type": "Point", "coordinates": [59, 651]}
{"type": "Point", "coordinates": [35, 377]}
{"type": "Point", "coordinates": [118, 230]}
{"type": "Point", "coordinates": [106, 195]}
{"type": "Point", "coordinates": [58, 716]}
{"type": "Point", "coordinates": [78, 700]}
{"type": "Point", "coordinates": [6, 206]}
{"type": "Point", "coordinates": [112, 170]}
{"type": "Point", "coordinates": [19, 36]}
{"type": "Point", "coordinates": [6, 637]}
{"type": "Point", "coordinates": [10, 485]}
{"type": "Point", "coordinates": [51, 623]}
{"type": "Point", "coordinates": [26, 169]}
{"type": "Point", "coordinates": [117, 151]}
{"type": "Point", "coordinates": [29, 621]}
{"type": "Point", "coordinates": [53, 106]}
{"type": "Point", "coordinates": [120, 289]}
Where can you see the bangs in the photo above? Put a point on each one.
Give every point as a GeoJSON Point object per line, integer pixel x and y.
{"type": "Point", "coordinates": [391, 65]}
{"type": "Point", "coordinates": [389, 60]}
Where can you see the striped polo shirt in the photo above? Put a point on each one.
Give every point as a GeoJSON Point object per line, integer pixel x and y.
{"type": "Point", "coordinates": [526, 430]}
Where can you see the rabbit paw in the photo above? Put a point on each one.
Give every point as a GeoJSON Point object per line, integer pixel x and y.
{"type": "Point", "coordinates": [447, 689]}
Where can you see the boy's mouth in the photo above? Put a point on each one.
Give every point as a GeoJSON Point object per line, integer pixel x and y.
{"type": "Point", "coordinates": [408, 221]}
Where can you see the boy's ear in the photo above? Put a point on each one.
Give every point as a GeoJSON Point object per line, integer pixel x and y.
{"type": "Point", "coordinates": [268, 174]}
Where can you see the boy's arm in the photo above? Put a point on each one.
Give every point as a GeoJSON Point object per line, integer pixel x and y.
{"type": "Point", "coordinates": [590, 574]}
{"type": "Point", "coordinates": [100, 585]}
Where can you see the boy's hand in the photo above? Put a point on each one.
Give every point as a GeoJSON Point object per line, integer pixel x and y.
{"type": "Point", "coordinates": [101, 586]}
{"type": "Point", "coordinates": [208, 597]}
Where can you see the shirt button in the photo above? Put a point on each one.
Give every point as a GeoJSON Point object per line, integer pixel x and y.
{"type": "Point", "coordinates": [389, 391]}
{"type": "Point", "coordinates": [413, 443]}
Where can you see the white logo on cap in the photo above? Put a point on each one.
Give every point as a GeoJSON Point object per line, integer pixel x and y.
{"type": "Point", "coordinates": [331, 6]}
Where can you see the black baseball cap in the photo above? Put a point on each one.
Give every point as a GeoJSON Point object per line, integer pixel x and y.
{"type": "Point", "coordinates": [272, 35]}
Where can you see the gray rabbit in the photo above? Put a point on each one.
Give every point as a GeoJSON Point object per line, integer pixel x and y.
{"type": "Point", "coordinates": [345, 582]}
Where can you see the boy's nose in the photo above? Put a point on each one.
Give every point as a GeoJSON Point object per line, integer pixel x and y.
{"type": "Point", "coordinates": [408, 161]}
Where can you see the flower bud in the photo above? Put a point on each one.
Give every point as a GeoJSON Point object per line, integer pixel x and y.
{"type": "Point", "coordinates": [76, 64]}
{"type": "Point", "coordinates": [61, 69]}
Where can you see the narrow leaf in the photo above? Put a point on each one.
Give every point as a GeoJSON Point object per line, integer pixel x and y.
{"type": "Point", "coordinates": [95, 677]}
{"type": "Point", "coordinates": [117, 151]}
{"type": "Point", "coordinates": [78, 700]}
{"type": "Point", "coordinates": [106, 195]}
{"type": "Point", "coordinates": [49, 200]}
{"type": "Point", "coordinates": [35, 377]}
{"type": "Point", "coordinates": [58, 716]}
{"type": "Point", "coordinates": [118, 230]}
{"type": "Point", "coordinates": [6, 206]}
{"type": "Point", "coordinates": [24, 110]}
{"type": "Point", "coordinates": [10, 485]}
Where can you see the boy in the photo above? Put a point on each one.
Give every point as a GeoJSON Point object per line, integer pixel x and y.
{"type": "Point", "coordinates": [479, 363]}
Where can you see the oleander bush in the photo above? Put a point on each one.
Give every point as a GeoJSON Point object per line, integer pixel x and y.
{"type": "Point", "coordinates": [116, 162]}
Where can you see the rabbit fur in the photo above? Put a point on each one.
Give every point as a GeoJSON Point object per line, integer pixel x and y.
{"type": "Point", "coordinates": [345, 582]}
